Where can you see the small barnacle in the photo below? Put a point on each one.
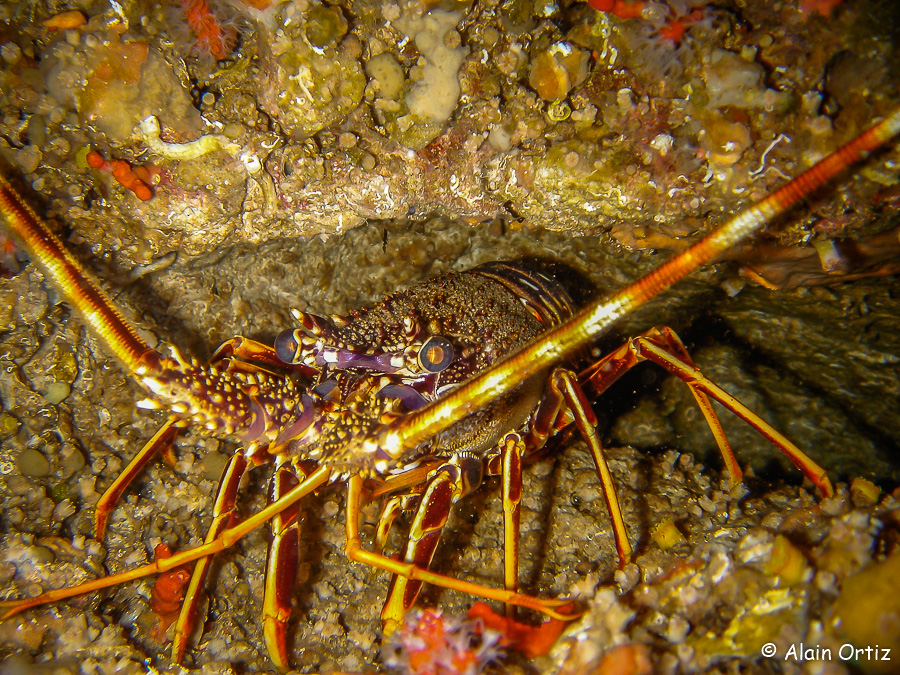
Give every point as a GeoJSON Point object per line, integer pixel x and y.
{"type": "Point", "coordinates": [663, 144]}
{"type": "Point", "coordinates": [667, 535]}
{"type": "Point", "coordinates": [325, 26]}
{"type": "Point", "coordinates": [559, 111]}
{"type": "Point", "coordinates": [724, 141]}
{"type": "Point", "coordinates": [786, 562]}
{"type": "Point", "coordinates": [555, 71]}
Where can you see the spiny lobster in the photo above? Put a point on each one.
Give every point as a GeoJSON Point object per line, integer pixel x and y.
{"type": "Point", "coordinates": [417, 399]}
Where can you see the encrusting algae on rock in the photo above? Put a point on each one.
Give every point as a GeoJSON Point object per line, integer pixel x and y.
{"type": "Point", "coordinates": [433, 92]}
{"type": "Point", "coordinates": [487, 110]}
{"type": "Point", "coordinates": [342, 126]}
{"type": "Point", "coordinates": [867, 612]}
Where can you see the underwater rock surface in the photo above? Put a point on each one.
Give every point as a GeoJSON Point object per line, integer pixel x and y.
{"type": "Point", "coordinates": [332, 202]}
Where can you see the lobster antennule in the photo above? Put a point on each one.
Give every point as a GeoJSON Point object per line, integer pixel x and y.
{"type": "Point", "coordinates": [394, 440]}
{"type": "Point", "coordinates": [76, 284]}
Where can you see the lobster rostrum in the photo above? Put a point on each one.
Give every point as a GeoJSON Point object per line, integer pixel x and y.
{"type": "Point", "coordinates": [415, 399]}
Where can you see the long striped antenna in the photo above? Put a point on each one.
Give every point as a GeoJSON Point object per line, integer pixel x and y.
{"type": "Point", "coordinates": [395, 439]}
{"type": "Point", "coordinates": [75, 282]}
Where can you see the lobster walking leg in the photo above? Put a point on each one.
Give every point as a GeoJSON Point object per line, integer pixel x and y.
{"type": "Point", "coordinates": [691, 374]}
{"type": "Point", "coordinates": [355, 551]}
{"type": "Point", "coordinates": [512, 449]}
{"type": "Point", "coordinates": [566, 382]}
{"type": "Point", "coordinates": [227, 538]}
{"type": "Point", "coordinates": [223, 515]}
{"type": "Point", "coordinates": [431, 516]}
{"type": "Point", "coordinates": [564, 402]}
{"type": "Point", "coordinates": [602, 374]}
{"type": "Point", "coordinates": [447, 485]}
{"type": "Point", "coordinates": [281, 567]}
{"type": "Point", "coordinates": [663, 347]}
{"type": "Point", "coordinates": [160, 443]}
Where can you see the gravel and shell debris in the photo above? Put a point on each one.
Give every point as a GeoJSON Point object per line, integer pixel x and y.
{"type": "Point", "coordinates": [577, 136]}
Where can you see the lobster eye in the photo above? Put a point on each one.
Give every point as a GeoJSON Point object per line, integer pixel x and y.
{"type": "Point", "coordinates": [436, 354]}
{"type": "Point", "coordinates": [286, 346]}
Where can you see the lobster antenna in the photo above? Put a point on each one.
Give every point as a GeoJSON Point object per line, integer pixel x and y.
{"type": "Point", "coordinates": [75, 282]}
{"type": "Point", "coordinates": [393, 440]}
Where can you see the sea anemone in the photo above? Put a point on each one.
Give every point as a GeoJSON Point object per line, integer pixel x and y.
{"type": "Point", "coordinates": [433, 643]}
{"type": "Point", "coordinates": [212, 32]}
{"type": "Point", "coordinates": [659, 42]}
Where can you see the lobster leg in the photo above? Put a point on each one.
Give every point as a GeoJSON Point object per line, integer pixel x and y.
{"type": "Point", "coordinates": [564, 402]}
{"type": "Point", "coordinates": [355, 551]}
{"type": "Point", "coordinates": [446, 485]}
{"type": "Point", "coordinates": [565, 383]}
{"type": "Point", "coordinates": [160, 443]}
{"type": "Point", "coordinates": [223, 513]}
{"type": "Point", "coordinates": [421, 544]}
{"type": "Point", "coordinates": [610, 368]}
{"type": "Point", "coordinates": [513, 447]}
{"type": "Point", "coordinates": [663, 347]}
{"type": "Point", "coordinates": [227, 538]}
{"type": "Point", "coordinates": [281, 567]}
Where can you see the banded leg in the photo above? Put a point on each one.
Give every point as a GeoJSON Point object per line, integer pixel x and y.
{"type": "Point", "coordinates": [663, 347]}
{"type": "Point", "coordinates": [610, 368]}
{"type": "Point", "coordinates": [223, 514]}
{"type": "Point", "coordinates": [565, 382]}
{"type": "Point", "coordinates": [281, 566]}
{"type": "Point", "coordinates": [512, 449]}
{"type": "Point", "coordinates": [228, 538]}
{"type": "Point", "coordinates": [447, 485]}
{"type": "Point", "coordinates": [355, 551]}
{"type": "Point", "coordinates": [161, 443]}
{"type": "Point", "coordinates": [564, 402]}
